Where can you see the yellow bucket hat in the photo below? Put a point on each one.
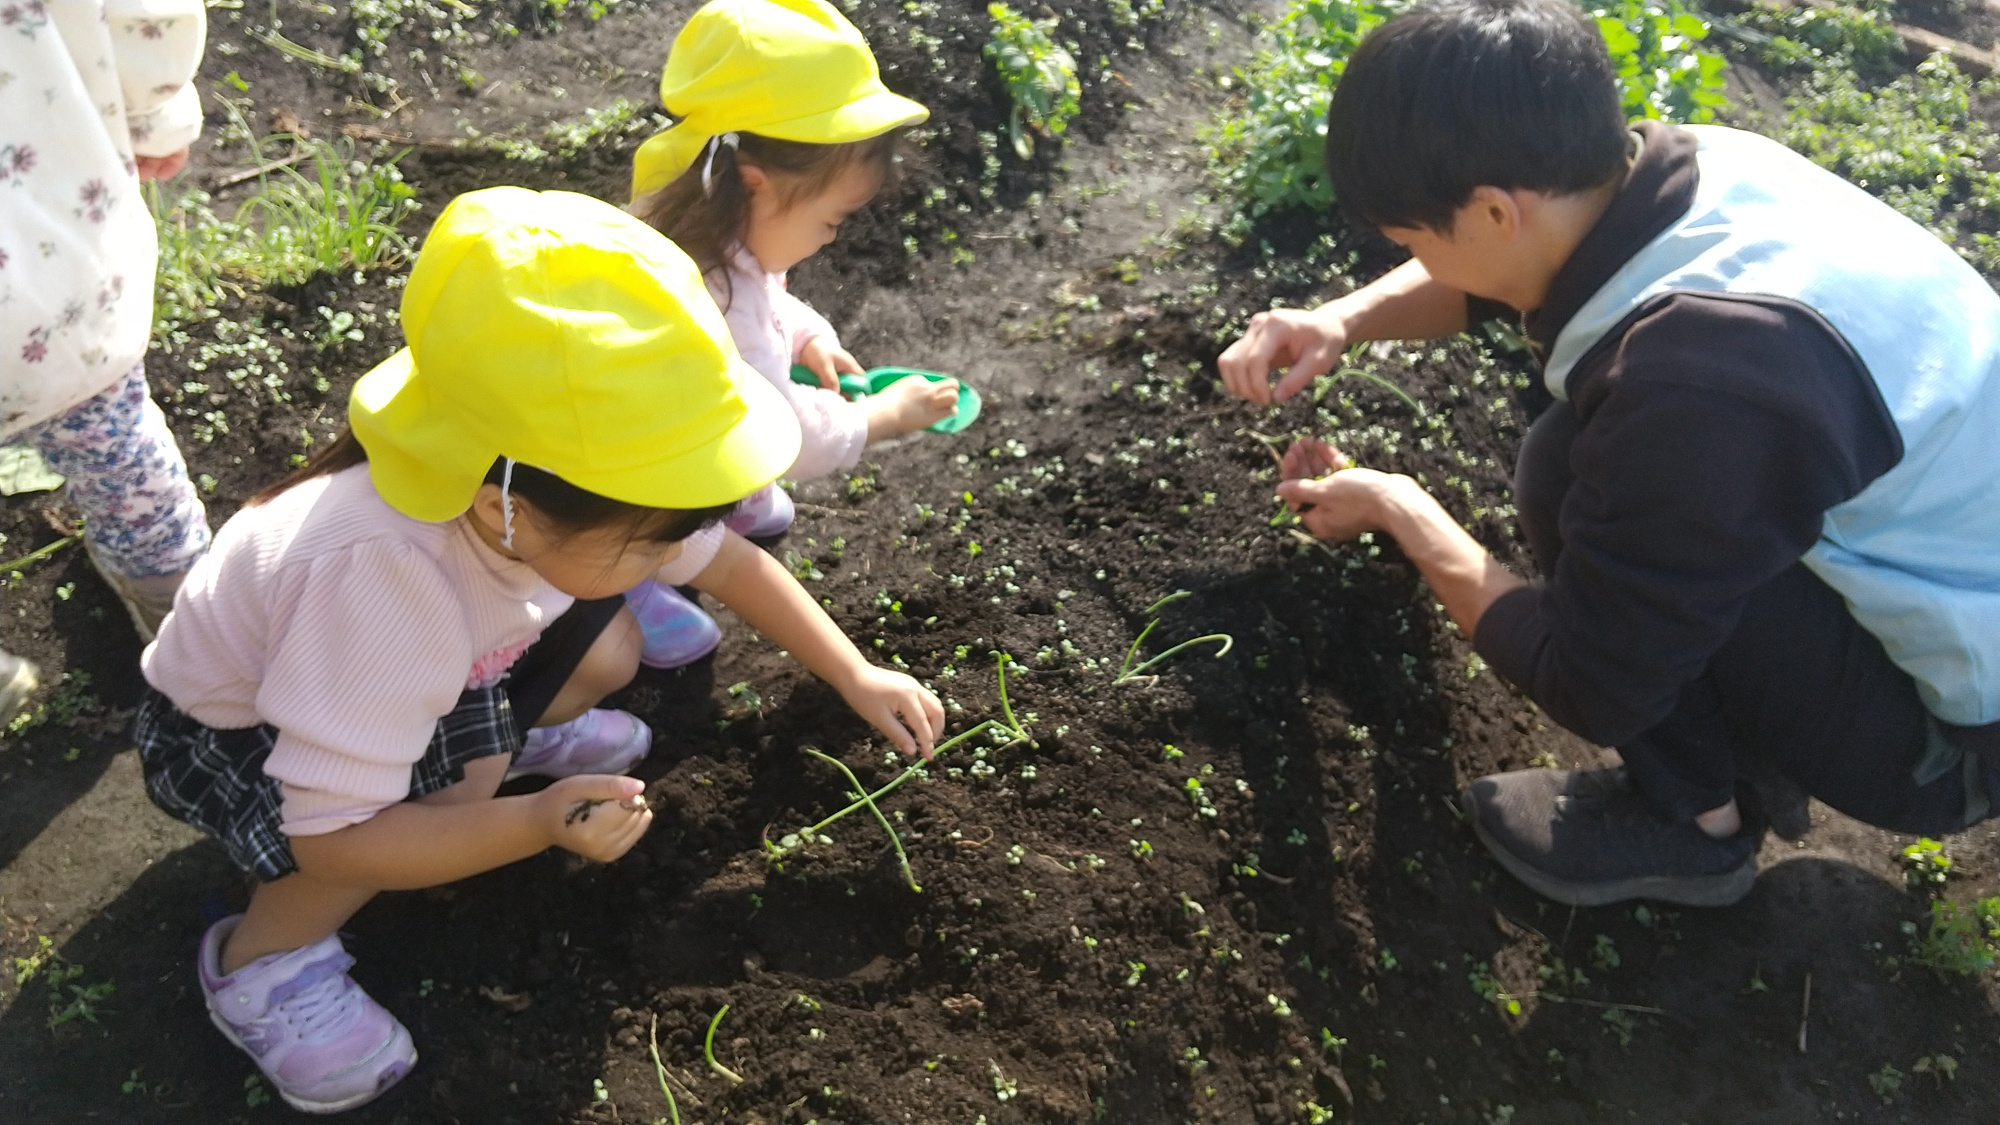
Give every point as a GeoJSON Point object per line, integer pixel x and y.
{"type": "Point", "coordinates": [792, 70]}
{"type": "Point", "coordinates": [557, 330]}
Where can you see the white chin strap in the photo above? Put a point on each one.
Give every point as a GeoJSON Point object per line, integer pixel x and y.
{"type": "Point", "coordinates": [715, 144]}
{"type": "Point", "coordinates": [507, 505]}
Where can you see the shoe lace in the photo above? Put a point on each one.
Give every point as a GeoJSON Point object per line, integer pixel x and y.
{"type": "Point", "coordinates": [320, 1002]}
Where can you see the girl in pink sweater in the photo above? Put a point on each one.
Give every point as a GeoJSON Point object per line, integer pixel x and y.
{"type": "Point", "coordinates": [370, 647]}
{"type": "Point", "coordinates": [783, 129]}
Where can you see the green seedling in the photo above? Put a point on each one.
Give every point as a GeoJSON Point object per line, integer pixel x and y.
{"type": "Point", "coordinates": [1011, 729]}
{"type": "Point", "coordinates": [708, 1048]}
{"type": "Point", "coordinates": [1886, 1082]}
{"type": "Point", "coordinates": [38, 554]}
{"type": "Point", "coordinates": [1127, 671]}
{"type": "Point", "coordinates": [1040, 76]}
{"type": "Point", "coordinates": [1926, 865]}
{"type": "Point", "coordinates": [1939, 1066]}
{"type": "Point", "coordinates": [1959, 940]}
{"type": "Point", "coordinates": [660, 1070]}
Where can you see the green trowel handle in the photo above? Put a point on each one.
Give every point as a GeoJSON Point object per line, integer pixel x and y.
{"type": "Point", "coordinates": [858, 386]}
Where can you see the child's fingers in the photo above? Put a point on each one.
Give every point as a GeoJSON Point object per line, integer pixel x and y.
{"type": "Point", "coordinates": [918, 719]}
{"type": "Point", "coordinates": [887, 722]}
{"type": "Point", "coordinates": [844, 363]}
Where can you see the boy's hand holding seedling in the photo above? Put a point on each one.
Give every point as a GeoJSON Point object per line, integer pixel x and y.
{"type": "Point", "coordinates": [827, 359]}
{"type": "Point", "coordinates": [597, 816]}
{"type": "Point", "coordinates": [1303, 343]}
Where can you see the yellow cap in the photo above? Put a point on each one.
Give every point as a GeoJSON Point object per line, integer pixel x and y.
{"type": "Point", "coordinates": [557, 330]}
{"type": "Point", "coordinates": [793, 70]}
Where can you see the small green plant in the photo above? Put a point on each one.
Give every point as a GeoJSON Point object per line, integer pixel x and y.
{"type": "Point", "coordinates": [1926, 865]}
{"type": "Point", "coordinates": [70, 998]}
{"type": "Point", "coordinates": [1939, 1066]}
{"type": "Point", "coordinates": [1960, 940]}
{"type": "Point", "coordinates": [1487, 987]}
{"type": "Point", "coordinates": [1128, 672]}
{"type": "Point", "coordinates": [708, 1048]}
{"type": "Point", "coordinates": [660, 1070]}
{"type": "Point", "coordinates": [254, 1093]}
{"type": "Point", "coordinates": [1620, 1024]}
{"type": "Point", "coordinates": [1040, 76]}
{"type": "Point", "coordinates": [1886, 1082]}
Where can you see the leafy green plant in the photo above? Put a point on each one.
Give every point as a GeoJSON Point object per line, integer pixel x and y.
{"type": "Point", "coordinates": [1040, 76]}
{"type": "Point", "coordinates": [1269, 152]}
{"type": "Point", "coordinates": [1915, 142]}
{"type": "Point", "coordinates": [1926, 865]}
{"type": "Point", "coordinates": [322, 208]}
{"type": "Point", "coordinates": [1959, 940]}
{"type": "Point", "coordinates": [1803, 38]}
{"type": "Point", "coordinates": [1662, 73]}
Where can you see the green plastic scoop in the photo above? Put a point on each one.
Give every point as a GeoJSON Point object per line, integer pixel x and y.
{"type": "Point", "coordinates": [858, 386]}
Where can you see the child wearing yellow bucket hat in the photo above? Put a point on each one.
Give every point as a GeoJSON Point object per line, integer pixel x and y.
{"type": "Point", "coordinates": [782, 130]}
{"type": "Point", "coordinates": [369, 647]}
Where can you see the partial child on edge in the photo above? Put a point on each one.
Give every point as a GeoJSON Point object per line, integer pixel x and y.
{"type": "Point", "coordinates": [783, 129]}
{"type": "Point", "coordinates": [351, 672]}
{"type": "Point", "coordinates": [95, 97]}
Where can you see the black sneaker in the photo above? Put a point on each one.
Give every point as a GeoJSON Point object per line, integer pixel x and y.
{"type": "Point", "coordinates": [1584, 838]}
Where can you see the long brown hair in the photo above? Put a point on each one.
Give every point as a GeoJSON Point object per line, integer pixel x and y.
{"type": "Point", "coordinates": [571, 509]}
{"type": "Point", "coordinates": [709, 223]}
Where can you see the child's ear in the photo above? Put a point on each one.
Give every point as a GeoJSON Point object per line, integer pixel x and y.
{"type": "Point", "coordinates": [755, 179]}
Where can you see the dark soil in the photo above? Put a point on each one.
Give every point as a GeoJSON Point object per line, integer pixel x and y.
{"type": "Point", "coordinates": [1089, 944]}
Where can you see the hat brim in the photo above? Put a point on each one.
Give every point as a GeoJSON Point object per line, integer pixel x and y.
{"type": "Point", "coordinates": [422, 473]}
{"type": "Point", "coordinates": [858, 120]}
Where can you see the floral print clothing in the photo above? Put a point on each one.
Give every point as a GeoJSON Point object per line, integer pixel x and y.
{"type": "Point", "coordinates": [85, 87]}
{"type": "Point", "coordinates": [139, 508]}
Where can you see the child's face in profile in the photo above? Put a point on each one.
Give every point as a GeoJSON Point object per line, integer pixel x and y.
{"type": "Point", "coordinates": [596, 563]}
{"type": "Point", "coordinates": [781, 236]}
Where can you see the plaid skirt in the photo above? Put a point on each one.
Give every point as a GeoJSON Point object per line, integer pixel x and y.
{"type": "Point", "coordinates": [215, 779]}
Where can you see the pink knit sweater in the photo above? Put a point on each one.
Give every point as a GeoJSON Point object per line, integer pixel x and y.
{"type": "Point", "coordinates": [352, 628]}
{"type": "Point", "coordinates": [770, 327]}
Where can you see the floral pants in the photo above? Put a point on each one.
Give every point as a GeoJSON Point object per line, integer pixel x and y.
{"type": "Point", "coordinates": [142, 514]}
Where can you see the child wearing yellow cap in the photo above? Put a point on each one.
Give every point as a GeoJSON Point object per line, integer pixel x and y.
{"type": "Point", "coordinates": [369, 647]}
{"type": "Point", "coordinates": [782, 130]}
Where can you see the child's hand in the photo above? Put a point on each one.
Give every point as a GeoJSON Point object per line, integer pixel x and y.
{"type": "Point", "coordinates": [908, 405]}
{"type": "Point", "coordinates": [829, 361]}
{"type": "Point", "coordinates": [161, 167]}
{"type": "Point", "coordinates": [897, 706]}
{"type": "Point", "coordinates": [597, 816]}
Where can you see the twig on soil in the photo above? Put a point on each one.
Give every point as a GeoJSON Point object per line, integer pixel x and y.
{"type": "Point", "coordinates": [1805, 1010]}
{"type": "Point", "coordinates": [660, 1070]}
{"type": "Point", "coordinates": [234, 178]}
{"type": "Point", "coordinates": [39, 553]}
{"type": "Point", "coordinates": [708, 1048]}
{"type": "Point", "coordinates": [823, 510]}
{"type": "Point", "coordinates": [1557, 998]}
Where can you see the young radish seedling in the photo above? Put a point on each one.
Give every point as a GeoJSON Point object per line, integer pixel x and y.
{"type": "Point", "coordinates": [1011, 728]}
{"type": "Point", "coordinates": [1128, 672]}
{"type": "Point", "coordinates": [708, 1048]}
